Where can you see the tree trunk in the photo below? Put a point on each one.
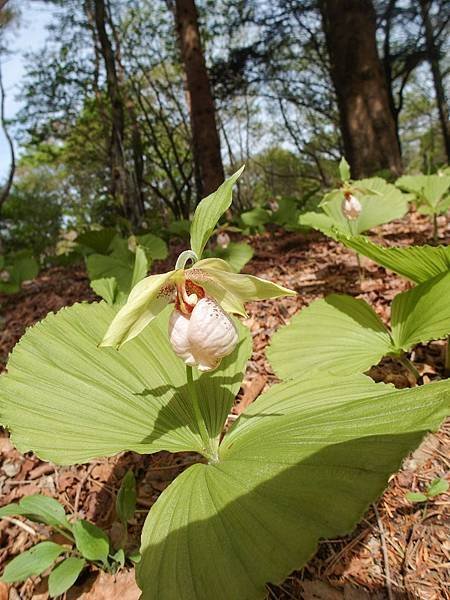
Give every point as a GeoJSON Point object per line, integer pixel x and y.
{"type": "Point", "coordinates": [433, 58]}
{"type": "Point", "coordinates": [206, 141]}
{"type": "Point", "coordinates": [367, 122]}
{"type": "Point", "coordinates": [387, 65]}
{"type": "Point", "coordinates": [121, 188]}
{"type": "Point", "coordinates": [4, 193]}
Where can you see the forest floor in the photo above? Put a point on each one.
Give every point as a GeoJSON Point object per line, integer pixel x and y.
{"type": "Point", "coordinates": [398, 551]}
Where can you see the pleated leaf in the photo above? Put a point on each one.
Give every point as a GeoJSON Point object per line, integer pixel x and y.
{"type": "Point", "coordinates": [154, 246]}
{"type": "Point", "coordinates": [209, 211]}
{"type": "Point", "coordinates": [339, 334]}
{"type": "Point", "coordinates": [422, 314]}
{"type": "Point", "coordinates": [237, 254]}
{"type": "Point", "coordinates": [417, 263]}
{"type": "Point", "coordinates": [97, 240]}
{"type": "Point", "coordinates": [302, 463]}
{"type": "Point", "coordinates": [429, 189]}
{"type": "Point", "coordinates": [70, 401]}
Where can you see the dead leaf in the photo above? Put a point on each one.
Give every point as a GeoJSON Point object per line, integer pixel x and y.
{"type": "Point", "coordinates": [107, 587]}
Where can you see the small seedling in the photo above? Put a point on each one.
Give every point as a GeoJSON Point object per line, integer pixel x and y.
{"type": "Point", "coordinates": [435, 488]}
{"type": "Point", "coordinates": [85, 543]}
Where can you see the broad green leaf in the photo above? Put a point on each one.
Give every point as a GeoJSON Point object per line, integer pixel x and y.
{"type": "Point", "coordinates": [92, 542]}
{"type": "Point", "coordinates": [21, 267]}
{"type": "Point", "coordinates": [321, 221]}
{"type": "Point", "coordinates": [383, 204]}
{"type": "Point", "coordinates": [140, 267]}
{"type": "Point", "coordinates": [344, 169]}
{"type": "Point", "coordinates": [287, 214]}
{"type": "Point", "coordinates": [209, 211]}
{"type": "Point", "coordinates": [428, 188]}
{"type": "Point", "coordinates": [106, 288]}
{"type": "Point", "coordinates": [37, 508]}
{"type": "Point", "coordinates": [417, 263]}
{"type": "Point", "coordinates": [236, 254]}
{"type": "Point", "coordinates": [70, 401]}
{"type": "Point", "coordinates": [232, 290]}
{"type": "Point", "coordinates": [339, 335]}
{"type": "Point", "coordinates": [32, 562]}
{"type": "Point", "coordinates": [255, 218]}
{"type": "Point", "coordinates": [302, 463]}
{"type": "Point", "coordinates": [126, 498]}
{"type": "Point", "coordinates": [412, 183]}
{"type": "Point", "coordinates": [155, 247]}
{"type": "Point", "coordinates": [180, 228]}
{"type": "Point", "coordinates": [25, 268]}
{"type": "Point", "coordinates": [422, 314]}
{"type": "Point", "coordinates": [118, 265]}
{"type": "Point", "coordinates": [437, 486]}
{"type": "Point", "coordinates": [416, 497]}
{"type": "Point", "coordinates": [65, 575]}
{"type": "Point", "coordinates": [97, 240]}
{"type": "Point", "coordinates": [7, 287]}
{"type": "Point", "coordinates": [46, 509]}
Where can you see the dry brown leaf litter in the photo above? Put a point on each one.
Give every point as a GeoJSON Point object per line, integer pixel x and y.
{"type": "Point", "coordinates": [415, 543]}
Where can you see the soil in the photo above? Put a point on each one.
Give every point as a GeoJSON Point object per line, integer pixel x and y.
{"type": "Point", "coordinates": [398, 551]}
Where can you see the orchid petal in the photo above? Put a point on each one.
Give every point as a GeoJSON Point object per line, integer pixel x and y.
{"type": "Point", "coordinates": [146, 300]}
{"type": "Point", "coordinates": [231, 289]}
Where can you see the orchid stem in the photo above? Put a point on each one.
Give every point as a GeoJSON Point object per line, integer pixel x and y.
{"type": "Point", "coordinates": [435, 229]}
{"type": "Point", "coordinates": [409, 365]}
{"type": "Point", "coordinates": [447, 355]}
{"type": "Point", "coordinates": [184, 257]}
{"type": "Point", "coordinates": [209, 450]}
{"type": "Point", "coordinates": [360, 269]}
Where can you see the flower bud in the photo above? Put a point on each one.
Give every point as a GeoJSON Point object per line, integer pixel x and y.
{"type": "Point", "coordinates": [223, 239]}
{"type": "Point", "coordinates": [351, 207]}
{"type": "Point", "coordinates": [274, 206]}
{"type": "Point", "coordinates": [203, 337]}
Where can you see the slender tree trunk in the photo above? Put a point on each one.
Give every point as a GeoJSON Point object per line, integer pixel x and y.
{"type": "Point", "coordinates": [433, 58]}
{"type": "Point", "coordinates": [4, 193]}
{"type": "Point", "coordinates": [206, 141]}
{"type": "Point", "coordinates": [367, 122]}
{"type": "Point", "coordinates": [387, 65]}
{"type": "Point", "coordinates": [121, 188]}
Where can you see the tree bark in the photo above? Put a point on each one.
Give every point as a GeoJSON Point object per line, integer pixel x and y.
{"type": "Point", "coordinates": [121, 188]}
{"type": "Point", "coordinates": [433, 58]}
{"type": "Point", "coordinates": [206, 141]}
{"type": "Point", "coordinates": [366, 120]}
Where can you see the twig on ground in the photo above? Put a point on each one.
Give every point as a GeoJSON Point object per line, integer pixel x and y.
{"type": "Point", "coordinates": [385, 553]}
{"type": "Point", "coordinates": [20, 524]}
{"type": "Point", "coordinates": [80, 487]}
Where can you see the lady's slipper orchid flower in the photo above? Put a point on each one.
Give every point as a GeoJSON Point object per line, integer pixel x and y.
{"type": "Point", "coordinates": [351, 206]}
{"type": "Point", "coordinates": [204, 337]}
{"type": "Point", "coordinates": [223, 239]}
{"type": "Point", "coordinates": [200, 330]}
